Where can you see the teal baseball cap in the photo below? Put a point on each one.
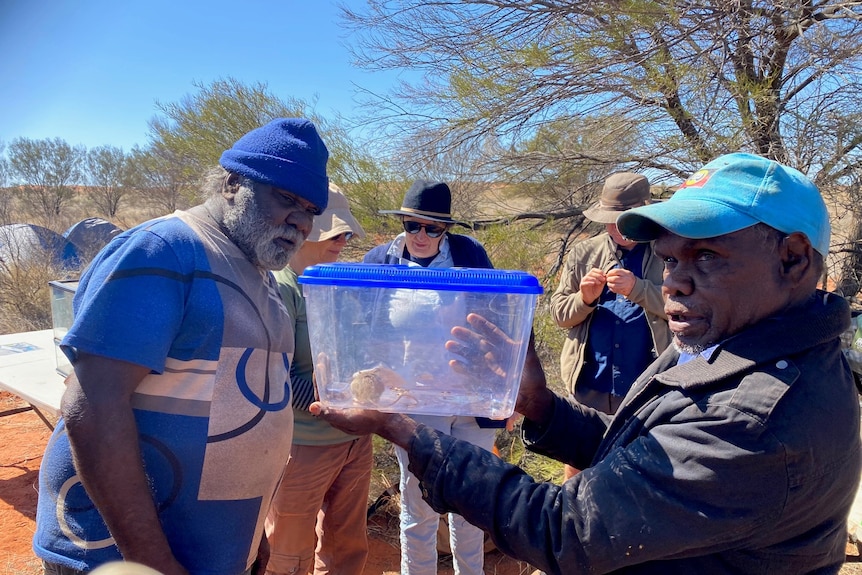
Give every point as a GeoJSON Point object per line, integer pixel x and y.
{"type": "Point", "coordinates": [730, 193]}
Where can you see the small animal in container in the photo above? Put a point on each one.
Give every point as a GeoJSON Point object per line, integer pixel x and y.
{"type": "Point", "coordinates": [369, 385]}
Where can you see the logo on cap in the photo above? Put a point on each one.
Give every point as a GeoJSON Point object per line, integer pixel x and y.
{"type": "Point", "coordinates": [697, 179]}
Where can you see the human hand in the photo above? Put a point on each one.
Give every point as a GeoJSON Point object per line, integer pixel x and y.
{"type": "Point", "coordinates": [483, 349]}
{"type": "Point", "coordinates": [591, 285]}
{"type": "Point", "coordinates": [395, 427]}
{"type": "Point", "coordinates": [511, 421]}
{"type": "Point", "coordinates": [621, 281]}
{"type": "Point", "coordinates": [351, 420]}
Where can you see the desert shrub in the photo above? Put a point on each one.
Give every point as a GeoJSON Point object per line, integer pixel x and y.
{"type": "Point", "coordinates": [25, 297]}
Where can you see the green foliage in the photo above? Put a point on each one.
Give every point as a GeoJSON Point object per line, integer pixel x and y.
{"type": "Point", "coordinates": [46, 172]}
{"type": "Point", "coordinates": [192, 134]}
{"type": "Point", "coordinates": [549, 343]}
{"type": "Point", "coordinates": [515, 246]}
{"type": "Point", "coordinates": [566, 93]}
{"type": "Point", "coordinates": [25, 298]}
{"type": "Point", "coordinates": [198, 128]}
{"type": "Point", "coordinates": [163, 179]}
{"type": "Point", "coordinates": [571, 184]}
{"type": "Point", "coordinates": [365, 180]}
{"type": "Point", "coordinates": [4, 166]}
{"type": "Point", "coordinates": [110, 173]}
{"type": "Point", "coordinates": [519, 247]}
{"type": "Point", "coordinates": [539, 467]}
{"type": "Point", "coordinates": [385, 472]}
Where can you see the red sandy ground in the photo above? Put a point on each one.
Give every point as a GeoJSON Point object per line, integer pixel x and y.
{"type": "Point", "coordinates": [22, 440]}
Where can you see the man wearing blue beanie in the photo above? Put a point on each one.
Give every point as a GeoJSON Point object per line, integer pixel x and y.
{"type": "Point", "coordinates": [177, 420]}
{"type": "Point", "coordinates": [737, 451]}
{"type": "Point", "coordinates": [286, 153]}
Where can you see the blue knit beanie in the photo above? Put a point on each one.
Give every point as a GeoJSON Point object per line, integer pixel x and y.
{"type": "Point", "coordinates": [286, 153]}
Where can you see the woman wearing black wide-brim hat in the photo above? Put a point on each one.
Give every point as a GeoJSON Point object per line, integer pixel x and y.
{"type": "Point", "coordinates": [426, 215]}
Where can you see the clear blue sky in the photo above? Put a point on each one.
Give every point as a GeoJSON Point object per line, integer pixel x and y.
{"type": "Point", "coordinates": [90, 71]}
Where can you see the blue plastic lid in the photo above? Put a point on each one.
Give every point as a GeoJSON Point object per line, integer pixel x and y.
{"type": "Point", "coordinates": [415, 277]}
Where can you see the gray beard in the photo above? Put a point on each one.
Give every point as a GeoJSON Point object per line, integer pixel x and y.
{"type": "Point", "coordinates": [248, 229]}
{"type": "Point", "coordinates": [689, 349]}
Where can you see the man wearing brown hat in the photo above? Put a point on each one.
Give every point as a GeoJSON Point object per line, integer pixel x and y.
{"type": "Point", "coordinates": [610, 300]}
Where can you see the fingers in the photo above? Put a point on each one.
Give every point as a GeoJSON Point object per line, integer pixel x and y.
{"type": "Point", "coordinates": [460, 368]}
{"type": "Point", "coordinates": [468, 336]}
{"type": "Point", "coordinates": [473, 347]}
{"type": "Point", "coordinates": [621, 281]}
{"type": "Point", "coordinates": [483, 345]}
{"type": "Point", "coordinates": [592, 284]}
{"type": "Point", "coordinates": [480, 355]}
{"type": "Point", "coordinates": [594, 277]}
{"type": "Point", "coordinates": [618, 276]}
{"type": "Point", "coordinates": [487, 329]}
{"type": "Point", "coordinates": [354, 421]}
{"type": "Point", "coordinates": [322, 370]}
{"type": "Point", "coordinates": [478, 370]}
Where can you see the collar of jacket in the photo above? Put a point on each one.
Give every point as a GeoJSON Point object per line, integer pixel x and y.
{"type": "Point", "coordinates": [821, 319]}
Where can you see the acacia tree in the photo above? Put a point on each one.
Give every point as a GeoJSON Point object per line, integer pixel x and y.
{"type": "Point", "coordinates": [46, 172]}
{"type": "Point", "coordinates": [162, 178]}
{"type": "Point", "coordinates": [4, 169]}
{"type": "Point", "coordinates": [196, 130]}
{"type": "Point", "coordinates": [109, 172]}
{"type": "Point", "coordinates": [692, 79]}
{"type": "Point", "coordinates": [199, 127]}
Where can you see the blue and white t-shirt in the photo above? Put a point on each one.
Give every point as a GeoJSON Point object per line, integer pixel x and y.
{"type": "Point", "coordinates": [214, 418]}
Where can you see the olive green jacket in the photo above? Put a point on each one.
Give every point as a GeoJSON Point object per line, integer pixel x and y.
{"type": "Point", "coordinates": [569, 310]}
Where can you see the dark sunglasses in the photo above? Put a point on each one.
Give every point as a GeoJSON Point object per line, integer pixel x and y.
{"type": "Point", "coordinates": [346, 236]}
{"type": "Point", "coordinates": [431, 231]}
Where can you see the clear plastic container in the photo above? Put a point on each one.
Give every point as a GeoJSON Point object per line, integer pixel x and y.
{"type": "Point", "coordinates": [378, 333]}
{"type": "Point", "coordinates": [62, 293]}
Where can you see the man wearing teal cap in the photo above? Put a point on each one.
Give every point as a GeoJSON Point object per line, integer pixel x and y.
{"type": "Point", "coordinates": [736, 451]}
{"type": "Point", "coordinates": [733, 192]}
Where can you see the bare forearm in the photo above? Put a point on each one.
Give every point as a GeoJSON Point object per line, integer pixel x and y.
{"type": "Point", "coordinates": [104, 443]}
{"type": "Point", "coordinates": [399, 429]}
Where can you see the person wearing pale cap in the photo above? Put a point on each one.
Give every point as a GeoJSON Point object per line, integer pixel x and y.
{"type": "Point", "coordinates": [317, 520]}
{"type": "Point", "coordinates": [609, 301]}
{"type": "Point", "coordinates": [335, 220]}
{"type": "Point", "coordinates": [737, 451]}
{"type": "Point", "coordinates": [176, 423]}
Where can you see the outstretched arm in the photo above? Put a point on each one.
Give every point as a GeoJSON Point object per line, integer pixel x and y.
{"type": "Point", "coordinates": [482, 348]}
